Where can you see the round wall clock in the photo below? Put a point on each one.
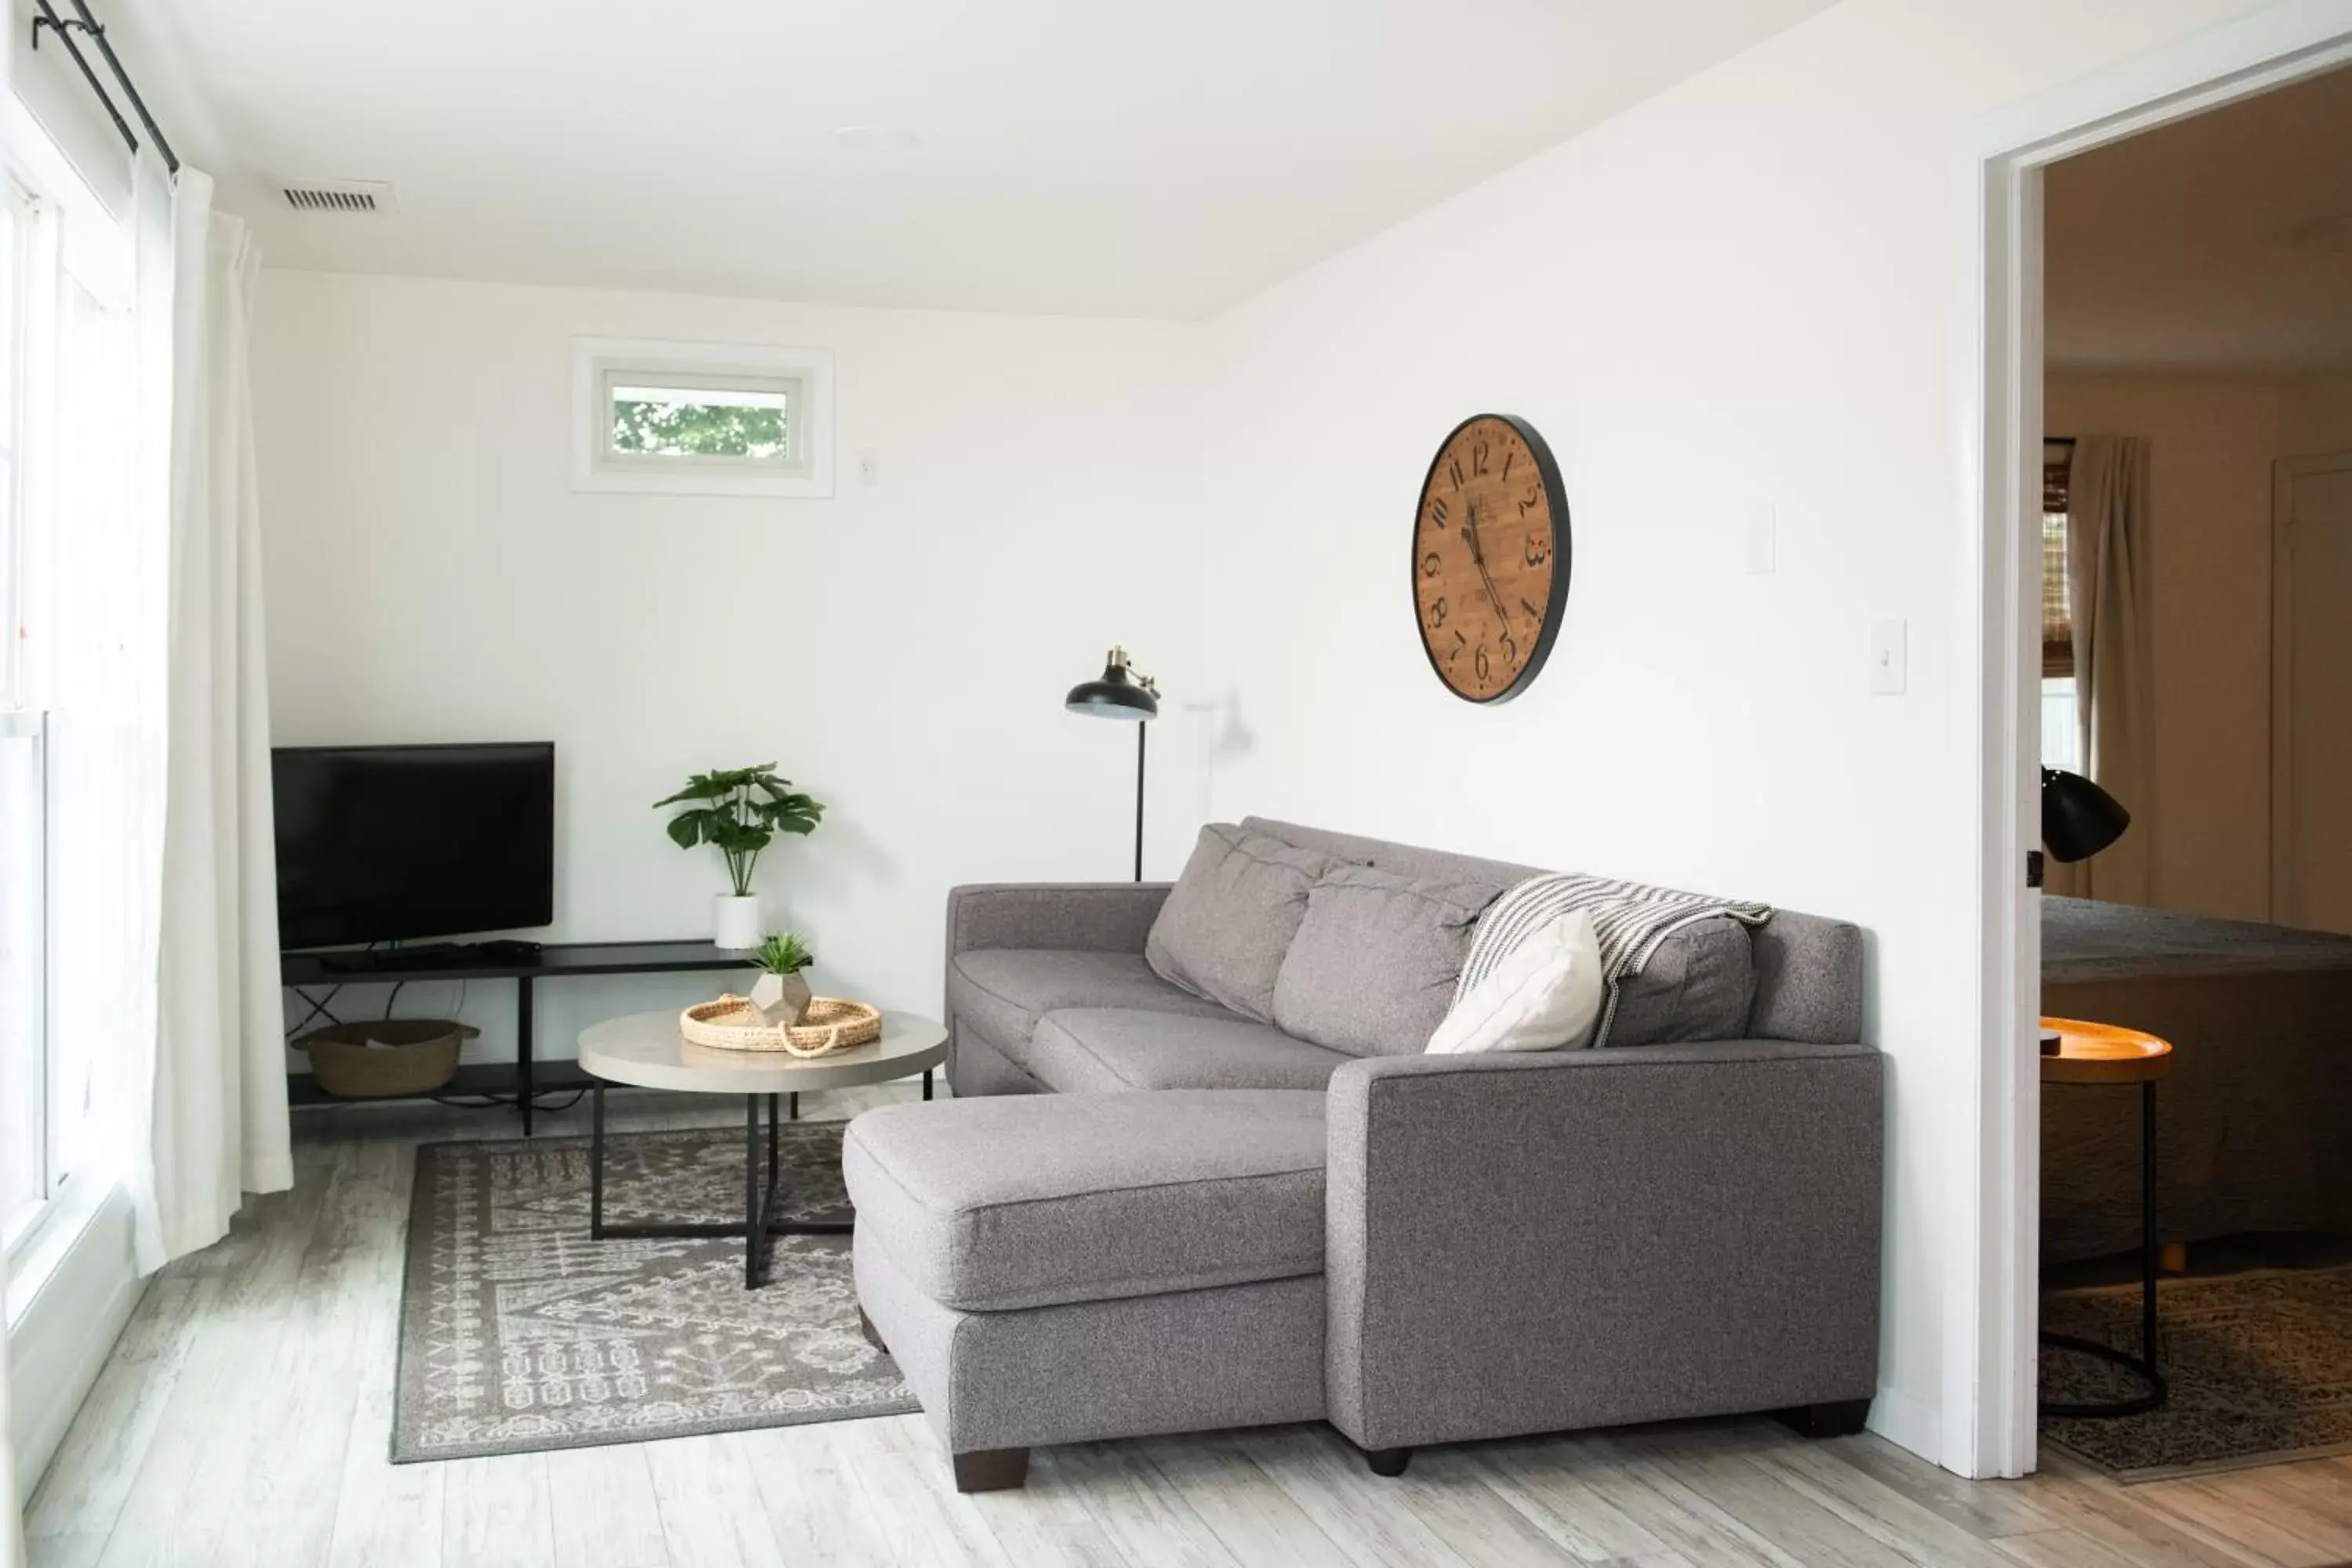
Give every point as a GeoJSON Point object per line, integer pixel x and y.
{"type": "Point", "coordinates": [1490, 558]}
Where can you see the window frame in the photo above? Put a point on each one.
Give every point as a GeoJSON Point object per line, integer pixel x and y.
{"type": "Point", "coordinates": [66, 246]}
{"type": "Point", "coordinates": [804, 376]}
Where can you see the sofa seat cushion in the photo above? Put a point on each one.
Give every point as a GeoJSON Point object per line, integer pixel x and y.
{"type": "Point", "coordinates": [1003, 991]}
{"type": "Point", "coordinates": [1026, 1201]}
{"type": "Point", "coordinates": [1110, 1050]}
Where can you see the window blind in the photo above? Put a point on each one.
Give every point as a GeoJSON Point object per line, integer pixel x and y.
{"type": "Point", "coordinates": [2057, 616]}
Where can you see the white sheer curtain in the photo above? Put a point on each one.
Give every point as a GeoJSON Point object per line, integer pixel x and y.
{"type": "Point", "coordinates": [12, 1518]}
{"type": "Point", "coordinates": [208, 1101]}
{"type": "Point", "coordinates": [2107, 589]}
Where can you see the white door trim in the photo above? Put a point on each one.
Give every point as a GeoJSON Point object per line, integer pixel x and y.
{"type": "Point", "coordinates": [2284, 473]}
{"type": "Point", "coordinates": [1988, 1386]}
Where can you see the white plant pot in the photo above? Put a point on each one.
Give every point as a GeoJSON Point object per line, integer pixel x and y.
{"type": "Point", "coordinates": [736, 922]}
{"type": "Point", "coordinates": [782, 999]}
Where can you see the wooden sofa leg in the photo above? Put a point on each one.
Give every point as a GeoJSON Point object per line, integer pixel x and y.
{"type": "Point", "coordinates": [991, 1470]}
{"type": "Point", "coordinates": [1389, 1462]}
{"type": "Point", "coordinates": [873, 1335]}
{"type": "Point", "coordinates": [1839, 1418]}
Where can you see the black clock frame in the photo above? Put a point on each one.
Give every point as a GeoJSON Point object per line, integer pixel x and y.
{"type": "Point", "coordinates": [1562, 555]}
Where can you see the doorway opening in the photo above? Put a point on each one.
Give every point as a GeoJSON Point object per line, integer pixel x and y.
{"type": "Point", "coordinates": [2105, 275]}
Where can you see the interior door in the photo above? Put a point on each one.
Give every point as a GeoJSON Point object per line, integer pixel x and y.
{"type": "Point", "coordinates": [2311, 694]}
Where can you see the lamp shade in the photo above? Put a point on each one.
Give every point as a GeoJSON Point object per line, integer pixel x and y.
{"type": "Point", "coordinates": [2078, 818]}
{"type": "Point", "coordinates": [1118, 695]}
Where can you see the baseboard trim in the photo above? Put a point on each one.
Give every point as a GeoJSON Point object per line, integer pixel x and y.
{"type": "Point", "coordinates": [1907, 1424]}
{"type": "Point", "coordinates": [75, 1304]}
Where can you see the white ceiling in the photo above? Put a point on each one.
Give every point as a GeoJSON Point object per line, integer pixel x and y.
{"type": "Point", "coordinates": [1080, 156]}
{"type": "Point", "coordinates": [2175, 249]}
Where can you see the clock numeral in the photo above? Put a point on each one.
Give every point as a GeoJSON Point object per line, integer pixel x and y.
{"type": "Point", "coordinates": [1454, 469]}
{"type": "Point", "coordinates": [1460, 642]}
{"type": "Point", "coordinates": [1437, 614]}
{"type": "Point", "coordinates": [1437, 512]}
{"type": "Point", "coordinates": [1509, 459]}
{"type": "Point", "coordinates": [1478, 457]}
{"type": "Point", "coordinates": [1535, 500]}
{"type": "Point", "coordinates": [1479, 662]}
{"type": "Point", "coordinates": [1510, 648]}
{"type": "Point", "coordinates": [1534, 616]}
{"type": "Point", "coordinates": [1429, 565]}
{"type": "Point", "coordinates": [1539, 549]}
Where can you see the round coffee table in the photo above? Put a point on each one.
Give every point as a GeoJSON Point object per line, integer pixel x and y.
{"type": "Point", "coordinates": [648, 1050]}
{"type": "Point", "coordinates": [2090, 1053]}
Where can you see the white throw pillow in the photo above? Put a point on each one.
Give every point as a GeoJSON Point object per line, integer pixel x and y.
{"type": "Point", "coordinates": [1544, 996]}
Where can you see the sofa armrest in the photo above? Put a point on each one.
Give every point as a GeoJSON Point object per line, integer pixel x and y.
{"type": "Point", "coordinates": [1098, 917]}
{"type": "Point", "coordinates": [1530, 1242]}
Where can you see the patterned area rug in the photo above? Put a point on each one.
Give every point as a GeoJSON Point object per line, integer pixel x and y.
{"type": "Point", "coordinates": [518, 1332]}
{"type": "Point", "coordinates": [2260, 1367]}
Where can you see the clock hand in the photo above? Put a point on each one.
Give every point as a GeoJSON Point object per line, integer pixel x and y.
{"type": "Point", "coordinates": [1479, 558]}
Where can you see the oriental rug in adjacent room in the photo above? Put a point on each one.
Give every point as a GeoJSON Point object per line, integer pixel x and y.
{"type": "Point", "coordinates": [2260, 1366]}
{"type": "Point", "coordinates": [518, 1332]}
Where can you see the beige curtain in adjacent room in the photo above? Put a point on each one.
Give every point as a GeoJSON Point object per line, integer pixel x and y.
{"type": "Point", "coordinates": [2107, 584]}
{"type": "Point", "coordinates": [212, 1100]}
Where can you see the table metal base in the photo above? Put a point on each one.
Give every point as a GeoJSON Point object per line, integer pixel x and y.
{"type": "Point", "coordinates": [760, 1226]}
{"type": "Point", "coordinates": [2142, 1366]}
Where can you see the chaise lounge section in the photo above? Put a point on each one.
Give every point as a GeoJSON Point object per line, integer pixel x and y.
{"type": "Point", "coordinates": [1145, 1212]}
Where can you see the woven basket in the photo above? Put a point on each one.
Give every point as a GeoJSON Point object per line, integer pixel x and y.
{"type": "Point", "coordinates": [732, 1024]}
{"type": "Point", "coordinates": [385, 1059]}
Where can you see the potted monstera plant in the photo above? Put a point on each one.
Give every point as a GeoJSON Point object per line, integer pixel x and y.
{"type": "Point", "coordinates": [740, 812]}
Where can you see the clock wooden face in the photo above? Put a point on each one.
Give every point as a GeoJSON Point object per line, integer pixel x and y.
{"type": "Point", "coordinates": [1490, 558]}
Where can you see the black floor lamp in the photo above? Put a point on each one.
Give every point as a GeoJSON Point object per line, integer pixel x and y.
{"type": "Point", "coordinates": [1121, 693]}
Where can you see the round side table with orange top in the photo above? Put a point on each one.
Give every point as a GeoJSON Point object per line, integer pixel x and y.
{"type": "Point", "coordinates": [2105, 1054]}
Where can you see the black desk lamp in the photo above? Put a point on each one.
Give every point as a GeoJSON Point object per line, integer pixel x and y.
{"type": "Point", "coordinates": [1121, 693]}
{"type": "Point", "coordinates": [2078, 820]}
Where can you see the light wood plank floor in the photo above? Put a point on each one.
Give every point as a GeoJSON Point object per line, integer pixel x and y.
{"type": "Point", "coordinates": [246, 1416]}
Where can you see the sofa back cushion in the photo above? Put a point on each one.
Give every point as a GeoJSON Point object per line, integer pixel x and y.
{"type": "Point", "coordinates": [1372, 968]}
{"type": "Point", "coordinates": [1231, 916]}
{"type": "Point", "coordinates": [1696, 986]}
{"type": "Point", "coordinates": [1800, 974]}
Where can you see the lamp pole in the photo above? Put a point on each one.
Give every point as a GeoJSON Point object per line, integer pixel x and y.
{"type": "Point", "coordinates": [1125, 694]}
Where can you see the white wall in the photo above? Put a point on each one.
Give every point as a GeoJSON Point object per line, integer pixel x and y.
{"type": "Point", "coordinates": [1749, 289]}
{"type": "Point", "coordinates": [901, 650]}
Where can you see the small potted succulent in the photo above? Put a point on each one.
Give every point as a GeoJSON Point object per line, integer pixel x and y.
{"type": "Point", "coordinates": [741, 811]}
{"type": "Point", "coordinates": [779, 995]}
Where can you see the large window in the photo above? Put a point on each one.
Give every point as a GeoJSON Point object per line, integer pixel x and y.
{"type": "Point", "coordinates": [67, 695]}
{"type": "Point", "coordinates": [2062, 742]}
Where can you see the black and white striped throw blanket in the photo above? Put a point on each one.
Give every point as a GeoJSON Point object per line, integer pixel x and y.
{"type": "Point", "coordinates": [1630, 919]}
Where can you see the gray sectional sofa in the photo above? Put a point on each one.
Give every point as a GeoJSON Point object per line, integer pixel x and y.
{"type": "Point", "coordinates": [1144, 1212]}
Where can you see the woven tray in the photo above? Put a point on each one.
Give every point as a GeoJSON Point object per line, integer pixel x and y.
{"type": "Point", "coordinates": [733, 1024]}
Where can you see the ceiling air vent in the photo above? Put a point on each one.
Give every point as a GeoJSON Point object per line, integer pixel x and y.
{"type": "Point", "coordinates": [356, 196]}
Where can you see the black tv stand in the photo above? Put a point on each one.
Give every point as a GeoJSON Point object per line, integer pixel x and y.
{"type": "Point", "coordinates": [520, 1082]}
{"type": "Point", "coordinates": [426, 955]}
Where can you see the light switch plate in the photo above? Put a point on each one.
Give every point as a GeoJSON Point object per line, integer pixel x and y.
{"type": "Point", "coordinates": [1763, 530]}
{"type": "Point", "coordinates": [1890, 665]}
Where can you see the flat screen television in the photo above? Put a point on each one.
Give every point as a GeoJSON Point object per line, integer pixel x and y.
{"type": "Point", "coordinates": [389, 843]}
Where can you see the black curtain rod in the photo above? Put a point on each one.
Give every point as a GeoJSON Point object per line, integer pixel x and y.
{"type": "Point", "coordinates": [89, 25]}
